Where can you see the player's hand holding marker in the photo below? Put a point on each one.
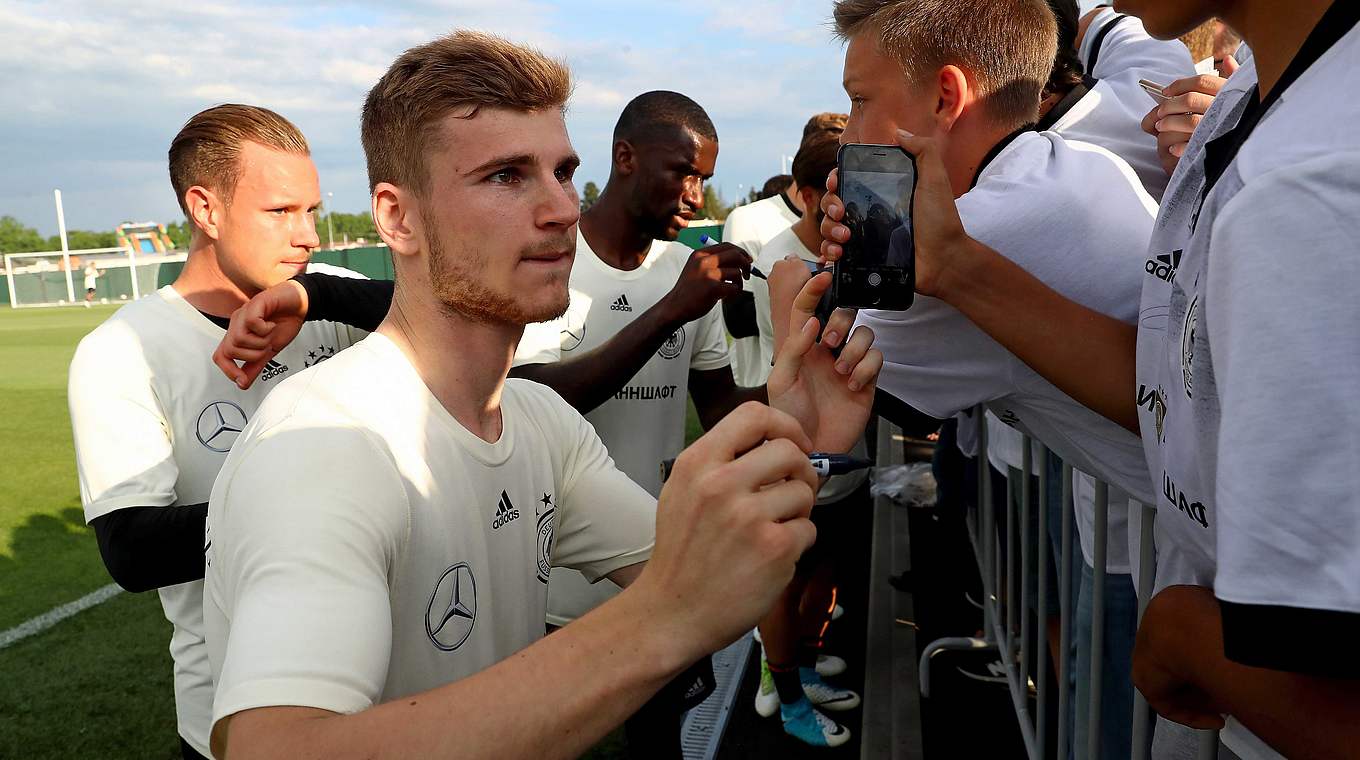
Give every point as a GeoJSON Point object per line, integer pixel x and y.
{"type": "Point", "coordinates": [730, 524]}
{"type": "Point", "coordinates": [260, 330]}
{"type": "Point", "coordinates": [711, 274]}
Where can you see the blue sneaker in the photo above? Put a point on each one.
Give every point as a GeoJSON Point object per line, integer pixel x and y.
{"type": "Point", "coordinates": [808, 725]}
{"type": "Point", "coordinates": [824, 695]}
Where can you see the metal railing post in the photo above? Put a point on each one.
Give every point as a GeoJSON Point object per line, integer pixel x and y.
{"type": "Point", "coordinates": [1041, 656]}
{"type": "Point", "coordinates": [1098, 620]}
{"type": "Point", "coordinates": [1012, 577]}
{"type": "Point", "coordinates": [1026, 555]}
{"type": "Point", "coordinates": [1065, 618]}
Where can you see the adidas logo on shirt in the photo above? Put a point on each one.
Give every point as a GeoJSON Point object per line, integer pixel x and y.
{"type": "Point", "coordinates": [621, 304]}
{"type": "Point", "coordinates": [272, 370]}
{"type": "Point", "coordinates": [505, 512]}
{"type": "Point", "coordinates": [1164, 267]}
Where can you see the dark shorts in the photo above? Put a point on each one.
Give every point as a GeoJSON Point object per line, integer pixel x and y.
{"type": "Point", "coordinates": [837, 528]}
{"type": "Point", "coordinates": [188, 752]}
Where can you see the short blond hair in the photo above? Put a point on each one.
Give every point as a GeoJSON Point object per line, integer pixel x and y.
{"type": "Point", "coordinates": [1005, 47]}
{"type": "Point", "coordinates": [459, 72]}
{"type": "Point", "coordinates": [207, 150]}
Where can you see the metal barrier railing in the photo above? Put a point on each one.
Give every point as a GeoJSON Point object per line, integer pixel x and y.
{"type": "Point", "coordinates": [1013, 622]}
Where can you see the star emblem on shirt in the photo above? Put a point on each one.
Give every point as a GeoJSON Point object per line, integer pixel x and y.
{"type": "Point", "coordinates": [318, 355]}
{"type": "Point", "coordinates": [545, 504]}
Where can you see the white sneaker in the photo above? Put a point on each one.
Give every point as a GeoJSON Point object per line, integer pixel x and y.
{"type": "Point", "coordinates": [830, 665]}
{"type": "Point", "coordinates": [767, 697]}
{"type": "Point", "coordinates": [825, 696]}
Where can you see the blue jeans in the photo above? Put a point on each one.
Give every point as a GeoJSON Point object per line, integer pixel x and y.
{"type": "Point", "coordinates": [1121, 623]}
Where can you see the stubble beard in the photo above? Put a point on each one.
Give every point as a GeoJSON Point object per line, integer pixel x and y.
{"type": "Point", "coordinates": [461, 294]}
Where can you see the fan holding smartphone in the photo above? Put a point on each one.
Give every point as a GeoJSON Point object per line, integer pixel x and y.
{"type": "Point", "coordinates": [877, 183]}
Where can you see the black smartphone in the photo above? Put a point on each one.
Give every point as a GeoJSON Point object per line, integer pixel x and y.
{"type": "Point", "coordinates": [878, 269]}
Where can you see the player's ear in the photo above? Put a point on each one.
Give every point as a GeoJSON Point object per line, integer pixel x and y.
{"type": "Point", "coordinates": [810, 196]}
{"type": "Point", "coordinates": [625, 158]}
{"type": "Point", "coordinates": [205, 210]}
{"type": "Point", "coordinates": [396, 216]}
{"type": "Point", "coordinates": [954, 94]}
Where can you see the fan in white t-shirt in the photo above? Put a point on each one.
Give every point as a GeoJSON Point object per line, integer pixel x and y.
{"type": "Point", "coordinates": [152, 418]}
{"type": "Point", "coordinates": [1116, 52]}
{"type": "Point", "coordinates": [750, 227]}
{"type": "Point", "coordinates": [793, 632]}
{"type": "Point", "coordinates": [1222, 362]}
{"type": "Point", "coordinates": [1030, 203]}
{"type": "Point", "coordinates": [385, 527]}
{"type": "Point", "coordinates": [1248, 336]}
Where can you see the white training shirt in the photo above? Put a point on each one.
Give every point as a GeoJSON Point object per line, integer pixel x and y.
{"type": "Point", "coordinates": [153, 419]}
{"type": "Point", "coordinates": [750, 227]}
{"type": "Point", "coordinates": [1248, 352]}
{"type": "Point", "coordinates": [1032, 203]}
{"type": "Point", "coordinates": [364, 545]}
{"type": "Point", "coordinates": [1111, 114]}
{"type": "Point", "coordinates": [644, 422]}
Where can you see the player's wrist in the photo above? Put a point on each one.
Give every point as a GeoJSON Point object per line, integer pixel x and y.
{"type": "Point", "coordinates": [668, 315]}
{"type": "Point", "coordinates": [665, 636]}
{"type": "Point", "coordinates": [301, 300]}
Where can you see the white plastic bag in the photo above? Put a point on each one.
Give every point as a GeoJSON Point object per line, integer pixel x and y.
{"type": "Point", "coordinates": [911, 485]}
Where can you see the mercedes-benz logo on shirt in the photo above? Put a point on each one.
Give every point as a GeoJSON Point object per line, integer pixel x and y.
{"type": "Point", "coordinates": [573, 331]}
{"type": "Point", "coordinates": [218, 425]}
{"type": "Point", "coordinates": [453, 608]}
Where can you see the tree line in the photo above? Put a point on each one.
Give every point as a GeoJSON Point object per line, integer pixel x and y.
{"type": "Point", "coordinates": [17, 237]}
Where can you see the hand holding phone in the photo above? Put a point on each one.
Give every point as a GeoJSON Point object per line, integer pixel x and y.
{"type": "Point", "coordinates": [877, 268]}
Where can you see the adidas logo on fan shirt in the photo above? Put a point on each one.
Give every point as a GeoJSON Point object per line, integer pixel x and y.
{"type": "Point", "coordinates": [621, 304]}
{"type": "Point", "coordinates": [505, 512]}
{"type": "Point", "coordinates": [1164, 266]}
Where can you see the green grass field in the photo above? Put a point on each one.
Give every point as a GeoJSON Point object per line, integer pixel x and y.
{"type": "Point", "coordinates": [97, 684]}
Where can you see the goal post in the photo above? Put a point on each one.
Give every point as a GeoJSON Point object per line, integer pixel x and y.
{"type": "Point", "coordinates": [53, 278]}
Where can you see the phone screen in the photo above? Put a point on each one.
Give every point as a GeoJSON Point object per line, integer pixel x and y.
{"type": "Point", "coordinates": [878, 213]}
{"type": "Point", "coordinates": [877, 183]}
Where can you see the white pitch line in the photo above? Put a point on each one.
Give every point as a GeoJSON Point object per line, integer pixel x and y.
{"type": "Point", "coordinates": [58, 614]}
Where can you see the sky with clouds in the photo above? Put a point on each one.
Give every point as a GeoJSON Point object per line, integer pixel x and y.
{"type": "Point", "coordinates": [91, 92]}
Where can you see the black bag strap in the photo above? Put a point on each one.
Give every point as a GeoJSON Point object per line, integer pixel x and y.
{"type": "Point", "coordinates": [1100, 41]}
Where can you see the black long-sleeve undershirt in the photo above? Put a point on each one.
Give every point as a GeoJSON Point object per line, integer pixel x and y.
{"type": "Point", "coordinates": [347, 300]}
{"type": "Point", "coordinates": [145, 548]}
